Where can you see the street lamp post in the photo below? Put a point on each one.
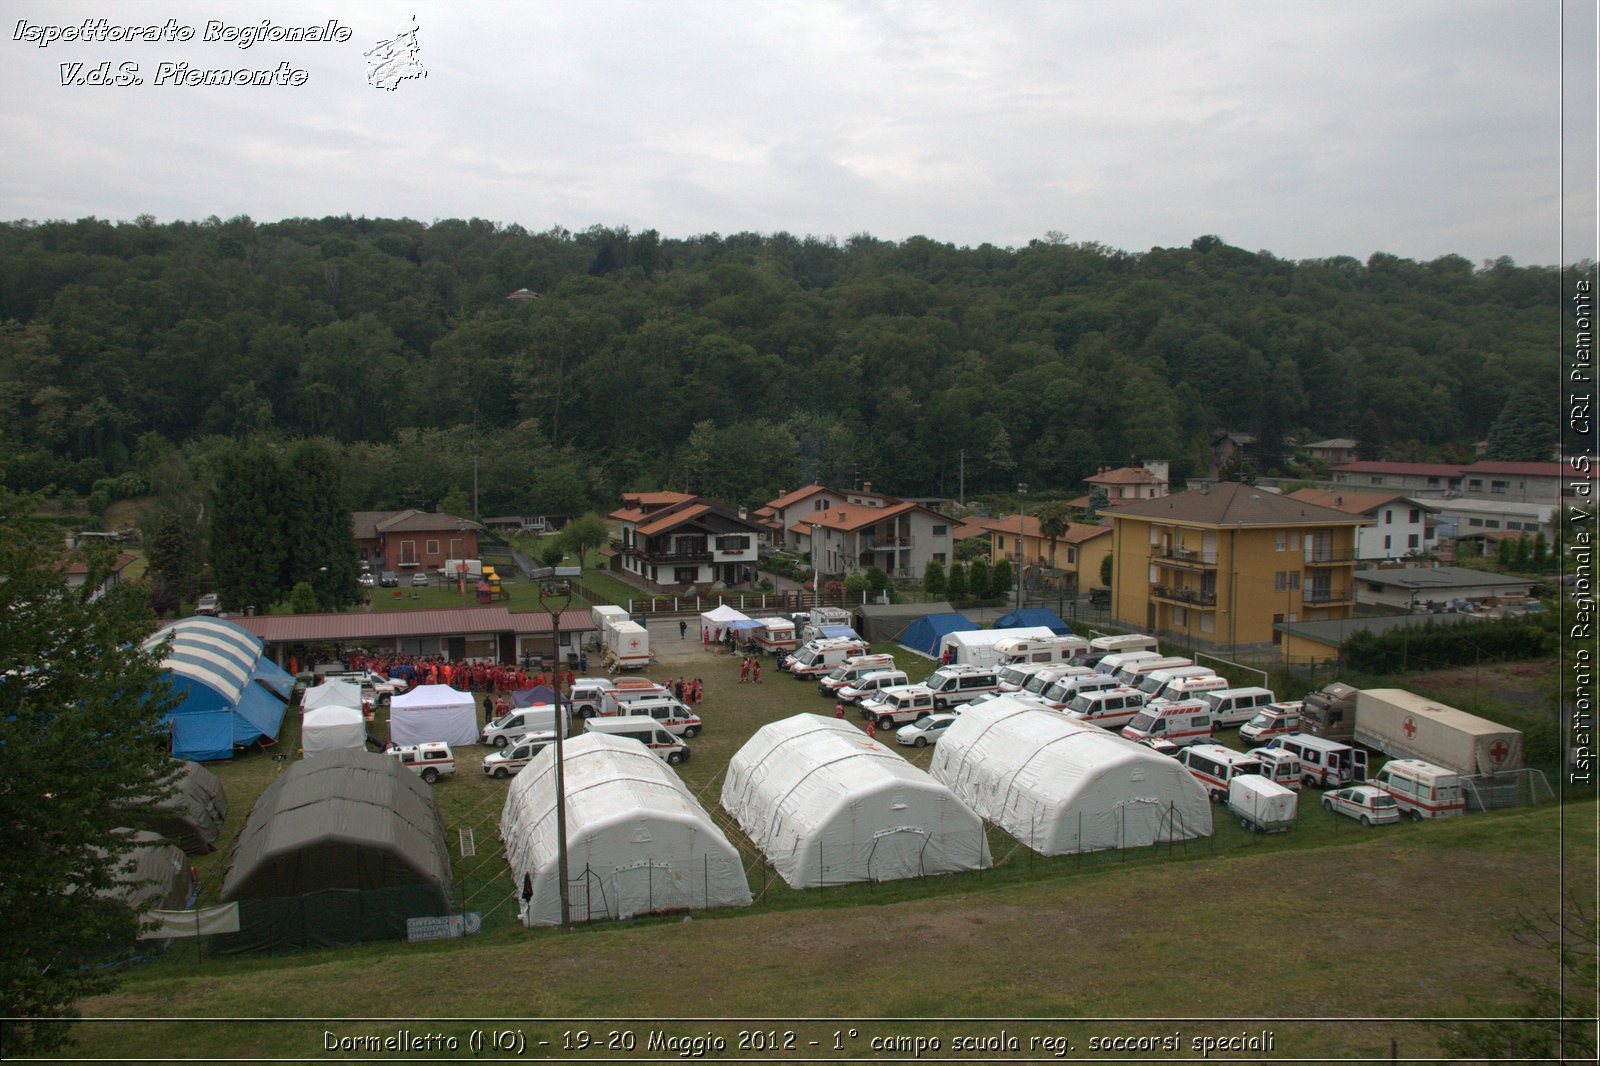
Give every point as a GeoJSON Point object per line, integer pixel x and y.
{"type": "Point", "coordinates": [555, 597]}
{"type": "Point", "coordinates": [1022, 492]}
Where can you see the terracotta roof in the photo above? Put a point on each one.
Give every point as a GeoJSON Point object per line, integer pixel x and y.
{"type": "Point", "coordinates": [973, 528]}
{"type": "Point", "coordinates": [378, 625]}
{"type": "Point", "coordinates": [78, 563]}
{"type": "Point", "coordinates": [1414, 469]}
{"type": "Point", "coordinates": [1076, 532]}
{"type": "Point", "coordinates": [1232, 503]}
{"type": "Point", "coordinates": [1524, 469]}
{"type": "Point", "coordinates": [1126, 475]}
{"type": "Point", "coordinates": [851, 518]}
{"type": "Point", "coordinates": [1079, 532]}
{"type": "Point", "coordinates": [1353, 502]}
{"type": "Point", "coordinates": [672, 519]}
{"type": "Point", "coordinates": [656, 499]}
{"type": "Point", "coordinates": [796, 496]}
{"type": "Point", "coordinates": [414, 521]}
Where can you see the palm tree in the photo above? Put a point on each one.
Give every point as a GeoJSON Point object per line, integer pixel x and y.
{"type": "Point", "coordinates": [1053, 523]}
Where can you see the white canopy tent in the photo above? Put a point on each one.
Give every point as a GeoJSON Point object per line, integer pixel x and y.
{"type": "Point", "coordinates": [331, 728]}
{"type": "Point", "coordinates": [1062, 786]}
{"type": "Point", "coordinates": [716, 621]}
{"type": "Point", "coordinates": [331, 694]}
{"type": "Point", "coordinates": [637, 840]}
{"type": "Point", "coordinates": [433, 712]}
{"type": "Point", "coordinates": [827, 806]}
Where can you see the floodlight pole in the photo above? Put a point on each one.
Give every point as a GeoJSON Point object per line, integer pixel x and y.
{"type": "Point", "coordinates": [1022, 492]}
{"type": "Point", "coordinates": [549, 592]}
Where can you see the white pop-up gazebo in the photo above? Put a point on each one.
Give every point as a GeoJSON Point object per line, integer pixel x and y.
{"type": "Point", "coordinates": [433, 712]}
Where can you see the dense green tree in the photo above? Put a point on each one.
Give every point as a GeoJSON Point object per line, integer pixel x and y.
{"type": "Point", "coordinates": [248, 547]}
{"type": "Point", "coordinates": [71, 667]}
{"type": "Point", "coordinates": [955, 585]}
{"type": "Point", "coordinates": [1002, 577]}
{"type": "Point", "coordinates": [1524, 431]}
{"type": "Point", "coordinates": [980, 584]}
{"type": "Point", "coordinates": [585, 532]}
{"type": "Point", "coordinates": [933, 578]}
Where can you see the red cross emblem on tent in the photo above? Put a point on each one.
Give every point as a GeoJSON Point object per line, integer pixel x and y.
{"type": "Point", "coordinates": [1410, 726]}
{"type": "Point", "coordinates": [1498, 751]}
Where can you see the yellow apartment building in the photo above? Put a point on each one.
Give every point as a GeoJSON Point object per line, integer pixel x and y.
{"type": "Point", "coordinates": [1075, 563]}
{"type": "Point", "coordinates": [1220, 566]}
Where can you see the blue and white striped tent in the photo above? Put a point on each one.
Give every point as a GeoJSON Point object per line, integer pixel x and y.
{"type": "Point", "coordinates": [228, 693]}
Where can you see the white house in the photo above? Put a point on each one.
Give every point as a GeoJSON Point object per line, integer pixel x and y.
{"type": "Point", "coordinates": [1400, 523]}
{"type": "Point", "coordinates": [900, 539]}
{"type": "Point", "coordinates": [672, 540]}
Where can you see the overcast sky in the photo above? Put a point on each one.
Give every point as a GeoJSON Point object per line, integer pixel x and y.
{"type": "Point", "coordinates": [1304, 129]}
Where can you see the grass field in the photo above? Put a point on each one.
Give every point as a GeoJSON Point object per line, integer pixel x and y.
{"type": "Point", "coordinates": [1331, 921]}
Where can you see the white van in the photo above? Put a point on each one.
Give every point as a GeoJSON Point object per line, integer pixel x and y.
{"type": "Point", "coordinates": [1013, 677]}
{"type": "Point", "coordinates": [852, 669]}
{"type": "Point", "coordinates": [1275, 719]}
{"type": "Point", "coordinates": [899, 706]}
{"type": "Point", "coordinates": [1110, 708]}
{"type": "Point", "coordinates": [1214, 766]}
{"type": "Point", "coordinates": [1115, 661]}
{"type": "Point", "coordinates": [1041, 681]}
{"type": "Point", "coordinates": [1150, 684]}
{"type": "Point", "coordinates": [1135, 672]}
{"type": "Point", "coordinates": [956, 684]}
{"type": "Point", "coordinates": [1040, 649]}
{"type": "Point", "coordinates": [1324, 763]}
{"type": "Point", "coordinates": [646, 731]}
{"type": "Point", "coordinates": [1192, 688]}
{"type": "Point", "coordinates": [1179, 722]}
{"type": "Point", "coordinates": [430, 760]}
{"type": "Point", "coordinates": [1422, 789]}
{"type": "Point", "coordinates": [540, 718]}
{"type": "Point", "coordinates": [871, 684]}
{"type": "Point", "coordinates": [1236, 706]}
{"type": "Point", "coordinates": [668, 711]}
{"type": "Point", "coordinates": [510, 759]}
{"type": "Point", "coordinates": [1059, 692]}
{"type": "Point", "coordinates": [1100, 647]}
{"type": "Point", "coordinates": [820, 656]}
{"type": "Point", "coordinates": [619, 698]}
{"type": "Point", "coordinates": [1279, 766]}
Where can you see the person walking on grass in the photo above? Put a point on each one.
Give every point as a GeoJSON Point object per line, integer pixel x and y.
{"type": "Point", "coordinates": [755, 669]}
{"type": "Point", "coordinates": [744, 670]}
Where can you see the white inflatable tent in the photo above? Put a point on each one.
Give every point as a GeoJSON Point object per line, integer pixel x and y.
{"type": "Point", "coordinates": [1061, 786]}
{"type": "Point", "coordinates": [433, 712]}
{"type": "Point", "coordinates": [638, 841]}
{"type": "Point", "coordinates": [827, 805]}
{"type": "Point", "coordinates": [330, 728]}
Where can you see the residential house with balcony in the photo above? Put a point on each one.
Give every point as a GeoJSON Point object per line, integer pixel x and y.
{"type": "Point", "coordinates": [412, 540]}
{"type": "Point", "coordinates": [1221, 565]}
{"type": "Point", "coordinates": [900, 539]}
{"type": "Point", "coordinates": [1071, 563]}
{"type": "Point", "coordinates": [674, 540]}
{"type": "Point", "coordinates": [1400, 525]}
{"type": "Point", "coordinates": [778, 515]}
{"type": "Point", "coordinates": [1335, 451]}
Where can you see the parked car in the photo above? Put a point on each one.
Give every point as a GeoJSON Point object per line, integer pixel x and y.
{"type": "Point", "coordinates": [1368, 804]}
{"type": "Point", "coordinates": [419, 578]}
{"type": "Point", "coordinates": [208, 604]}
{"type": "Point", "coordinates": [366, 580]}
{"type": "Point", "coordinates": [430, 760]}
{"type": "Point", "coordinates": [925, 730]}
{"type": "Point", "coordinates": [389, 579]}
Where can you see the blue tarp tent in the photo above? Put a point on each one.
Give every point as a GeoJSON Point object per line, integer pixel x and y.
{"type": "Point", "coordinates": [1034, 616]}
{"type": "Point", "coordinates": [923, 635]}
{"type": "Point", "coordinates": [274, 677]}
{"type": "Point", "coordinates": [528, 697]}
{"type": "Point", "coordinates": [213, 666]}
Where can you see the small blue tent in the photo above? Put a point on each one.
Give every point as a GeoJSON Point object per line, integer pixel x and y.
{"type": "Point", "coordinates": [214, 668]}
{"type": "Point", "coordinates": [923, 635]}
{"type": "Point", "coordinates": [1034, 616]}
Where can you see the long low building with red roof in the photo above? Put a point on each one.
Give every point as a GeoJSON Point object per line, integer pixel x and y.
{"type": "Point", "coordinates": [455, 633]}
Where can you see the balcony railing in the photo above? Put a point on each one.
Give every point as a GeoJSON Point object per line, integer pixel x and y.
{"type": "Point", "coordinates": [1185, 557]}
{"type": "Point", "coordinates": [1193, 597]}
{"type": "Point", "coordinates": [885, 542]}
{"type": "Point", "coordinates": [1313, 594]}
{"type": "Point", "coordinates": [1329, 557]}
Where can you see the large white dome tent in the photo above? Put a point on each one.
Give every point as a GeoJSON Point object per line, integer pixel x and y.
{"type": "Point", "coordinates": [637, 840]}
{"type": "Point", "coordinates": [1061, 786]}
{"type": "Point", "coordinates": [828, 805]}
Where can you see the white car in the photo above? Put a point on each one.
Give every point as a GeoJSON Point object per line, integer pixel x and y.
{"type": "Point", "coordinates": [517, 754]}
{"type": "Point", "coordinates": [1368, 804]}
{"type": "Point", "coordinates": [366, 580]}
{"type": "Point", "coordinates": [430, 760]}
{"type": "Point", "coordinates": [925, 730]}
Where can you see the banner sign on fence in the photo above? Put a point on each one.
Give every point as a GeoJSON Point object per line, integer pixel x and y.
{"type": "Point", "coordinates": [443, 927]}
{"type": "Point", "coordinates": [160, 925]}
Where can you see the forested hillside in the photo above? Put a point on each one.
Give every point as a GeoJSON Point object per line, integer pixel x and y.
{"type": "Point", "coordinates": [731, 366]}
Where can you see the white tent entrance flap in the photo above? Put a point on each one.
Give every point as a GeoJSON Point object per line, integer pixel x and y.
{"type": "Point", "coordinates": [897, 853]}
